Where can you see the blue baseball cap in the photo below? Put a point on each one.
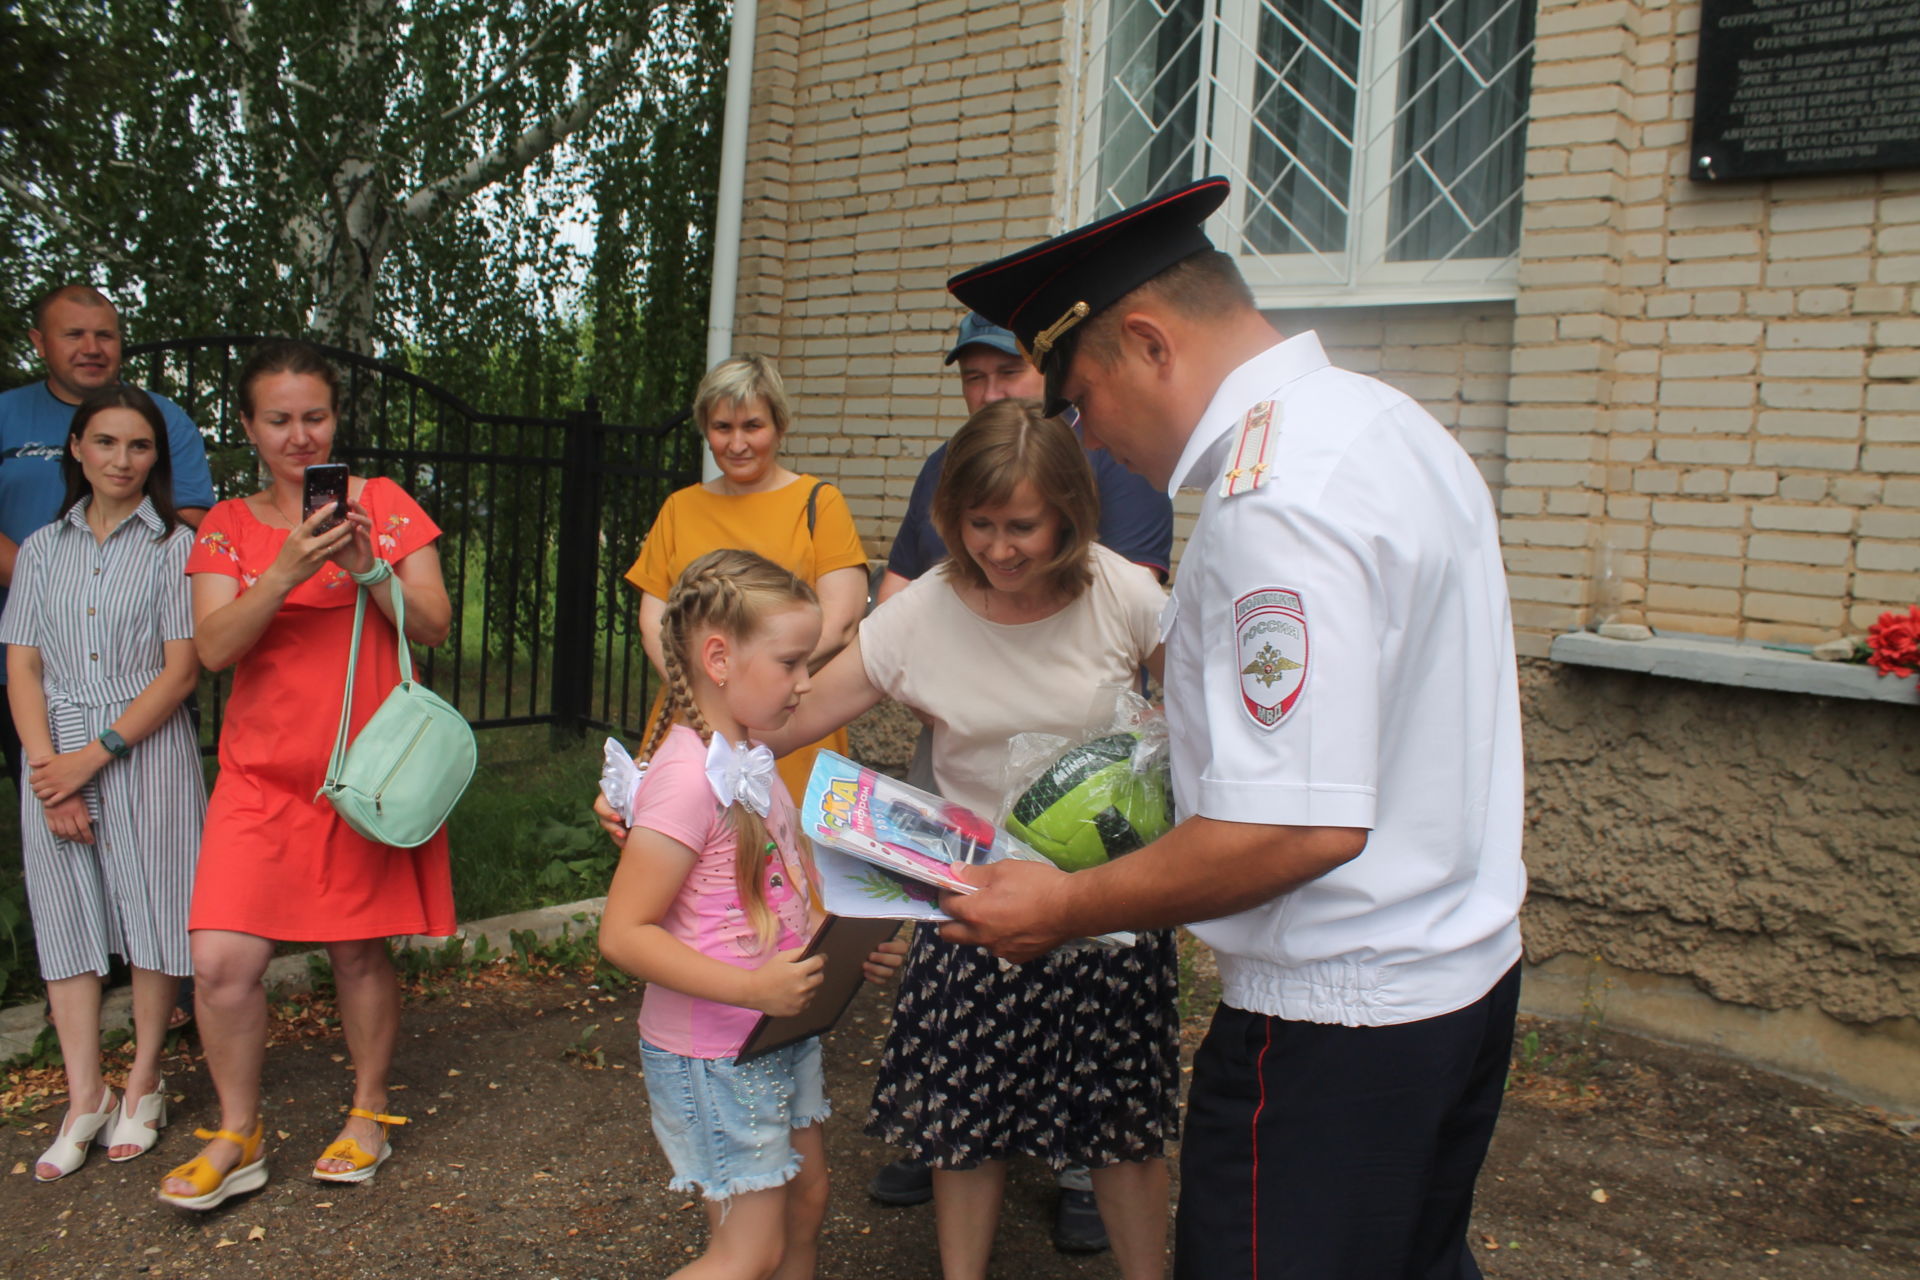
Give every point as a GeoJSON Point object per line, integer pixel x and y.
{"type": "Point", "coordinates": [978, 331]}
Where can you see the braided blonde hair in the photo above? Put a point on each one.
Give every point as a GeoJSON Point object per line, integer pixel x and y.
{"type": "Point", "coordinates": [731, 592]}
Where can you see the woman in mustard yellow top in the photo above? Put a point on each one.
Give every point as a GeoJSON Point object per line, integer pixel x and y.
{"type": "Point", "coordinates": [757, 505]}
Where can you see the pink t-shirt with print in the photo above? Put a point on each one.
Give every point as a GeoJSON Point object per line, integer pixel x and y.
{"type": "Point", "coordinates": [676, 801]}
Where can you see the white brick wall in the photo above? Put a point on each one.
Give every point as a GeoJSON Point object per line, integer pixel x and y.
{"type": "Point", "coordinates": [893, 144]}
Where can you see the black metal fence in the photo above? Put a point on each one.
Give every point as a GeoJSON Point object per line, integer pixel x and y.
{"type": "Point", "coordinates": [539, 519]}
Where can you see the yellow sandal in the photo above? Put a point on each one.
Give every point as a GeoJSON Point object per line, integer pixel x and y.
{"type": "Point", "coordinates": [364, 1165]}
{"type": "Point", "coordinates": [213, 1188]}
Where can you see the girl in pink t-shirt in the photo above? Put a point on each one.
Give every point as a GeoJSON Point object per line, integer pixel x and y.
{"type": "Point", "coordinates": [712, 905]}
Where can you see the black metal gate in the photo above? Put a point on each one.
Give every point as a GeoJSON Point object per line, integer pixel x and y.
{"type": "Point", "coordinates": [539, 519]}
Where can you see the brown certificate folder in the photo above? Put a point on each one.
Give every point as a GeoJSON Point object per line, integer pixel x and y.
{"type": "Point", "coordinates": [846, 941]}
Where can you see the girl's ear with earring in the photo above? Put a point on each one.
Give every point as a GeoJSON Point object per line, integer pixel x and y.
{"type": "Point", "coordinates": [713, 658]}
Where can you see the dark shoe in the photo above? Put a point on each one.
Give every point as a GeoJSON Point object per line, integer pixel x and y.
{"type": "Point", "coordinates": [1077, 1227]}
{"type": "Point", "coordinates": [907, 1182]}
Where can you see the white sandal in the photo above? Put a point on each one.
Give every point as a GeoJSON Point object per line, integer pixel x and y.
{"type": "Point", "coordinates": [77, 1132]}
{"type": "Point", "coordinates": [142, 1128]}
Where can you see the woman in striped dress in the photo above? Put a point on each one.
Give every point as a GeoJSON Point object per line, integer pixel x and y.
{"type": "Point", "coordinates": [100, 662]}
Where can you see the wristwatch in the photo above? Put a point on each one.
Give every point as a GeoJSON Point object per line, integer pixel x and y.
{"type": "Point", "coordinates": [115, 744]}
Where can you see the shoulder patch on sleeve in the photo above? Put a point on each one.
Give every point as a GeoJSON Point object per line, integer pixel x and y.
{"type": "Point", "coordinates": [1270, 642]}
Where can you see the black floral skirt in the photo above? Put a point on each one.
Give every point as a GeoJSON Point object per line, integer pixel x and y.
{"type": "Point", "coordinates": [1073, 1058]}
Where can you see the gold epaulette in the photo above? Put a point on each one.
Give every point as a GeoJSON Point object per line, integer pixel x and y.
{"type": "Point", "coordinates": [1252, 450]}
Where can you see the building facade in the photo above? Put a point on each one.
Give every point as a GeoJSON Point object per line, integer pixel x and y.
{"type": "Point", "coordinates": [1697, 405]}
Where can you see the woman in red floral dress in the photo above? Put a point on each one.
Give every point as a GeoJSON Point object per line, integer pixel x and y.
{"type": "Point", "coordinates": [273, 597]}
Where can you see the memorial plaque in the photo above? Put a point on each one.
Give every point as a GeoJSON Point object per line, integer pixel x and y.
{"type": "Point", "coordinates": [1806, 86]}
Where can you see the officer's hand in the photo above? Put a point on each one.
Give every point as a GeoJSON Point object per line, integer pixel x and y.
{"type": "Point", "coordinates": [1016, 914]}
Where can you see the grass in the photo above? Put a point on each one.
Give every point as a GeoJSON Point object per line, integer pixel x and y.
{"type": "Point", "coordinates": [1561, 1063]}
{"type": "Point", "coordinates": [523, 835]}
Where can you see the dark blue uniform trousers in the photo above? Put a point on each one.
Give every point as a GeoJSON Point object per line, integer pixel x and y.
{"type": "Point", "coordinates": [1318, 1152]}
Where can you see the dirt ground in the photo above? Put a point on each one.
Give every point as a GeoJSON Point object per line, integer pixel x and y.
{"type": "Point", "coordinates": [530, 1156]}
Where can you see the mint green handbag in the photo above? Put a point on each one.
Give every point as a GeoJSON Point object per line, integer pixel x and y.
{"type": "Point", "coordinates": [410, 763]}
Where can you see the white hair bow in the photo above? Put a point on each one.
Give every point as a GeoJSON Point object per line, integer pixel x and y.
{"type": "Point", "coordinates": [741, 775]}
{"type": "Point", "coordinates": [620, 779]}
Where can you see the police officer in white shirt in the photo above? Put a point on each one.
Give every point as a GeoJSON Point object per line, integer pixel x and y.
{"type": "Point", "coordinates": [1347, 767]}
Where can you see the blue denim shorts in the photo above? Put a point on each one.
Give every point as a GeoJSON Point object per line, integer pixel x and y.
{"type": "Point", "coordinates": [725, 1126]}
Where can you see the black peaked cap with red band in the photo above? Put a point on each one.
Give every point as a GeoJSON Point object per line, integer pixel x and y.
{"type": "Point", "coordinates": [1043, 293]}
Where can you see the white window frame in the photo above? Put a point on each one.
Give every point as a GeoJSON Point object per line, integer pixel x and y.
{"type": "Point", "coordinates": [1359, 274]}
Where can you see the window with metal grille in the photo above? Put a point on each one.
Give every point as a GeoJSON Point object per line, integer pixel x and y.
{"type": "Point", "coordinates": [1376, 147]}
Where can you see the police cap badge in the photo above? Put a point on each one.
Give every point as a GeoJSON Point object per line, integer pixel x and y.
{"type": "Point", "coordinates": [1043, 293]}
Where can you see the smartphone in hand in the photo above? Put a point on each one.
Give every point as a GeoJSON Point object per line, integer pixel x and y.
{"type": "Point", "coordinates": [325, 482]}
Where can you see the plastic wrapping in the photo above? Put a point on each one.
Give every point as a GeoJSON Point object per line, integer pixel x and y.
{"type": "Point", "coordinates": [1081, 802]}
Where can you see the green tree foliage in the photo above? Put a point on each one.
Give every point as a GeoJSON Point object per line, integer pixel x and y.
{"type": "Point", "coordinates": [419, 180]}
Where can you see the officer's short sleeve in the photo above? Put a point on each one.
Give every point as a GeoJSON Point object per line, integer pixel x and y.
{"type": "Point", "coordinates": [192, 480]}
{"type": "Point", "coordinates": [1290, 610]}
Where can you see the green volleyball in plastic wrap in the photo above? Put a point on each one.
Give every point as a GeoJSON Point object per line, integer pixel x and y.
{"type": "Point", "coordinates": [1091, 805]}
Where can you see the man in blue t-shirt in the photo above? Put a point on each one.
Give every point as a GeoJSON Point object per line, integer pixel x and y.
{"type": "Point", "coordinates": [1136, 520]}
{"type": "Point", "coordinates": [76, 330]}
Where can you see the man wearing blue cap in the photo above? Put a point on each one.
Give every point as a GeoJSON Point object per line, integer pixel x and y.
{"type": "Point", "coordinates": [1136, 520]}
{"type": "Point", "coordinates": [1342, 694]}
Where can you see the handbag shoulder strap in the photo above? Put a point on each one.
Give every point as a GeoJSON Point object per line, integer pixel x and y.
{"type": "Point", "coordinates": [353, 662]}
{"type": "Point", "coordinates": [813, 496]}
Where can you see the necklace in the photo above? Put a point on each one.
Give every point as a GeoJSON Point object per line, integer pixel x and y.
{"type": "Point", "coordinates": [273, 501]}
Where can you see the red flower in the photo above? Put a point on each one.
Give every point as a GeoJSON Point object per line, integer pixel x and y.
{"type": "Point", "coordinates": [1895, 644]}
